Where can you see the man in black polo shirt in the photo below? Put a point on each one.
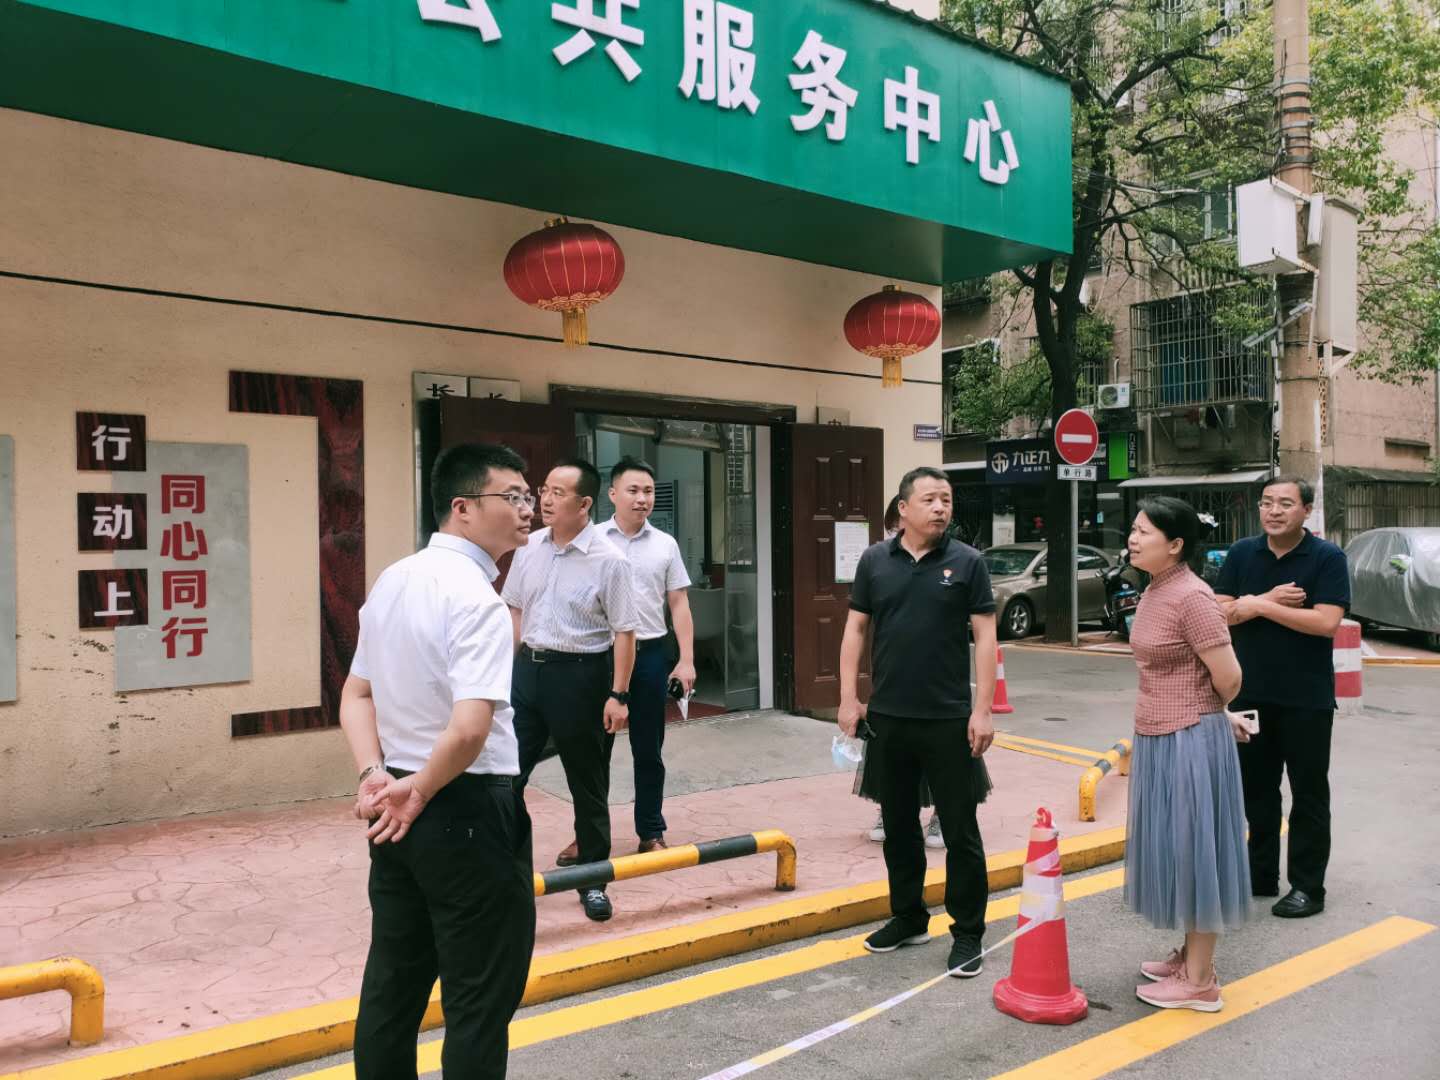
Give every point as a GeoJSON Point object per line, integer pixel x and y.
{"type": "Point", "coordinates": [1284, 594]}
{"type": "Point", "coordinates": [925, 593]}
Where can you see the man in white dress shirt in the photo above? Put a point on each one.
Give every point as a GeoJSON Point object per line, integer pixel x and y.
{"type": "Point", "coordinates": [571, 601]}
{"type": "Point", "coordinates": [426, 710]}
{"type": "Point", "coordinates": [658, 573]}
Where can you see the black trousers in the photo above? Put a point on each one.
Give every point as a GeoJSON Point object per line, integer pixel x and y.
{"type": "Point", "coordinates": [903, 752]}
{"type": "Point", "coordinates": [1294, 741]}
{"type": "Point", "coordinates": [648, 697]}
{"type": "Point", "coordinates": [565, 701]}
{"type": "Point", "coordinates": [454, 898]}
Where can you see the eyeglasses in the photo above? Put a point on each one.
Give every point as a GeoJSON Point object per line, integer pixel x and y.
{"type": "Point", "coordinates": [1278, 504]}
{"type": "Point", "coordinates": [517, 500]}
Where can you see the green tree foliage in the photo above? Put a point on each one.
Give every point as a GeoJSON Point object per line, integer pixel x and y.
{"type": "Point", "coordinates": [1172, 104]}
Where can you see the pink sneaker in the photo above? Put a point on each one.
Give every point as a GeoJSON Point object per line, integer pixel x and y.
{"type": "Point", "coordinates": [1155, 970]}
{"type": "Point", "coordinates": [1178, 992]}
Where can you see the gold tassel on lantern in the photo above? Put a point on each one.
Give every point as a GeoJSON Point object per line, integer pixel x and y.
{"type": "Point", "coordinates": [576, 326]}
{"type": "Point", "coordinates": [890, 372]}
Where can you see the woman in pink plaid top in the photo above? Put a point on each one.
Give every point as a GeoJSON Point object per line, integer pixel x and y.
{"type": "Point", "coordinates": [1186, 865]}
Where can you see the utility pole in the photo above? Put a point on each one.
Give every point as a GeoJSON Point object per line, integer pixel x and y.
{"type": "Point", "coordinates": [1299, 394]}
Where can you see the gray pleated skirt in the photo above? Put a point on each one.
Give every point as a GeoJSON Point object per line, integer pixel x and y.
{"type": "Point", "coordinates": [1186, 865]}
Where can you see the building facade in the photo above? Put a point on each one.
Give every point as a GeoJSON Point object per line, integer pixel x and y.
{"type": "Point", "coordinates": [250, 284]}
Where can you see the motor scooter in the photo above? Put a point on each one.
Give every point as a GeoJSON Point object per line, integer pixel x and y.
{"type": "Point", "coordinates": [1123, 586]}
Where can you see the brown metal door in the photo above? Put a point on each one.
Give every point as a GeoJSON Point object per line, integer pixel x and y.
{"type": "Point", "coordinates": [541, 434]}
{"type": "Point", "coordinates": [837, 475]}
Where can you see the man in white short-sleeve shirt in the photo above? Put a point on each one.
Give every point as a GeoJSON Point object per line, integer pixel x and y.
{"type": "Point", "coordinates": [570, 597]}
{"type": "Point", "coordinates": [427, 714]}
{"type": "Point", "coordinates": [658, 573]}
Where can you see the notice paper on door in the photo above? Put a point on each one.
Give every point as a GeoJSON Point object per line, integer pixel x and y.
{"type": "Point", "coordinates": [851, 540]}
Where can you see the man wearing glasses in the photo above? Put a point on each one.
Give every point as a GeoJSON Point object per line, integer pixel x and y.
{"type": "Point", "coordinates": [571, 602]}
{"type": "Point", "coordinates": [1284, 594]}
{"type": "Point", "coordinates": [427, 714]}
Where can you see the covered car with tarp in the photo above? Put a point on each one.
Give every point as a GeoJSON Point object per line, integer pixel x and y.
{"type": "Point", "coordinates": [1395, 579]}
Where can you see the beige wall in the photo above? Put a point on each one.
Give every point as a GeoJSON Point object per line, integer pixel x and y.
{"type": "Point", "coordinates": [95, 205]}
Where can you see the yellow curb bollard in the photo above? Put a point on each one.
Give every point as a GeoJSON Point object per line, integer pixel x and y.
{"type": "Point", "coordinates": [1117, 758]}
{"type": "Point", "coordinates": [624, 867]}
{"type": "Point", "coordinates": [83, 982]}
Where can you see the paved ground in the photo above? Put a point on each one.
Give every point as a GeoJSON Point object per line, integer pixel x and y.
{"type": "Point", "coordinates": [1350, 1005]}
{"type": "Point", "coordinates": [220, 918]}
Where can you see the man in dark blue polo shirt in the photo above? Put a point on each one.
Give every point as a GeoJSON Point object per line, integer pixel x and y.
{"type": "Point", "coordinates": [1284, 594]}
{"type": "Point", "coordinates": [925, 593]}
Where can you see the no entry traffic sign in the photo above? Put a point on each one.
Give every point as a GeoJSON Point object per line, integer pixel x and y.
{"type": "Point", "coordinates": [1076, 437]}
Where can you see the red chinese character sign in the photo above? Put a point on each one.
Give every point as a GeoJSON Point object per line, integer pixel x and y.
{"type": "Point", "coordinates": [1076, 437]}
{"type": "Point", "coordinates": [197, 564]}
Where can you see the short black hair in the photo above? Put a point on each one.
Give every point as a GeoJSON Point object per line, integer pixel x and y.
{"type": "Point", "coordinates": [1178, 520]}
{"type": "Point", "coordinates": [630, 464]}
{"type": "Point", "coordinates": [464, 469]}
{"type": "Point", "coordinates": [907, 482]}
{"type": "Point", "coordinates": [588, 487]}
{"type": "Point", "coordinates": [1306, 489]}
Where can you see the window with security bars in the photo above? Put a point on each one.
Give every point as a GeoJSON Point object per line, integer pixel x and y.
{"type": "Point", "coordinates": [1190, 350]}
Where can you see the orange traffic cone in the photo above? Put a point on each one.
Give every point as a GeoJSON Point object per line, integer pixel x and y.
{"type": "Point", "coordinates": [1038, 989]}
{"type": "Point", "coordinates": [1001, 704]}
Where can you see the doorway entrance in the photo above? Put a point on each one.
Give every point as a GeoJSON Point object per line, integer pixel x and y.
{"type": "Point", "coordinates": [706, 498]}
{"type": "Point", "coordinates": [767, 513]}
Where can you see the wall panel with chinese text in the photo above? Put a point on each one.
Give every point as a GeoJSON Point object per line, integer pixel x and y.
{"type": "Point", "coordinates": [197, 567]}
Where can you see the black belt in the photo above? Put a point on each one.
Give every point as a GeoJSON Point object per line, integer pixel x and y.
{"type": "Point", "coordinates": [649, 643]}
{"type": "Point", "coordinates": [464, 779]}
{"type": "Point", "coordinates": [552, 656]}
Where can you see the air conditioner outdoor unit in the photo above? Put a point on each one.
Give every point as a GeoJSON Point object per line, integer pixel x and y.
{"type": "Point", "coordinates": [1113, 396]}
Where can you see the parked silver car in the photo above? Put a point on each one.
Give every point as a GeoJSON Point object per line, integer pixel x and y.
{"type": "Point", "coordinates": [1018, 576]}
{"type": "Point", "coordinates": [1395, 579]}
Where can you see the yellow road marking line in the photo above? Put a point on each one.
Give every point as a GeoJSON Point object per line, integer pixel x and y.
{"type": "Point", "coordinates": [1005, 744]}
{"type": "Point", "coordinates": [1080, 750]}
{"type": "Point", "coordinates": [1135, 1041]}
{"type": "Point", "coordinates": [574, 1019]}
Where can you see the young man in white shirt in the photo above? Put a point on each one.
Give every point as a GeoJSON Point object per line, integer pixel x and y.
{"type": "Point", "coordinates": [660, 580]}
{"type": "Point", "coordinates": [426, 710]}
{"type": "Point", "coordinates": [571, 601]}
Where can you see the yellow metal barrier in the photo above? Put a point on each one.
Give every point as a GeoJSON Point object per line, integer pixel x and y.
{"type": "Point", "coordinates": [1117, 758]}
{"type": "Point", "coordinates": [593, 875]}
{"type": "Point", "coordinates": [83, 982]}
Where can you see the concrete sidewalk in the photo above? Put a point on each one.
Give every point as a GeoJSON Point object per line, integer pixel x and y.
{"type": "Point", "coordinates": [216, 919]}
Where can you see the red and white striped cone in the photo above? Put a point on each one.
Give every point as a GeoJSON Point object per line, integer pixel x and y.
{"type": "Point", "coordinates": [1349, 668]}
{"type": "Point", "coordinates": [1001, 703]}
{"type": "Point", "coordinates": [1038, 989]}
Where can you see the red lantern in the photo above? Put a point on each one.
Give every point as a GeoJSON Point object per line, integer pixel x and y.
{"type": "Point", "coordinates": [892, 325]}
{"type": "Point", "coordinates": [565, 267]}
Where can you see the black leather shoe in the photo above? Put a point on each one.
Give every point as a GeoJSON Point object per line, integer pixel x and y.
{"type": "Point", "coordinates": [1297, 905]}
{"type": "Point", "coordinates": [596, 904]}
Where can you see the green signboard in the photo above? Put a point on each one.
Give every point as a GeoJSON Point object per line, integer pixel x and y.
{"type": "Point", "coordinates": [769, 124]}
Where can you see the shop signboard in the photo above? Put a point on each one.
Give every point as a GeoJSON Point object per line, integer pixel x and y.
{"type": "Point", "coordinates": [1019, 461]}
{"type": "Point", "coordinates": [723, 122]}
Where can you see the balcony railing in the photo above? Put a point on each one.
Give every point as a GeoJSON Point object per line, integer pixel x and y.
{"type": "Point", "coordinates": [1190, 351]}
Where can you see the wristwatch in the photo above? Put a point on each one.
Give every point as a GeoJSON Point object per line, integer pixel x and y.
{"type": "Point", "coordinates": [622, 696]}
{"type": "Point", "coordinates": [370, 769]}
